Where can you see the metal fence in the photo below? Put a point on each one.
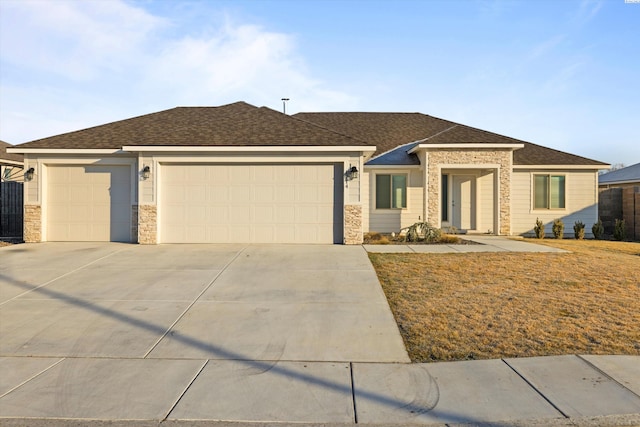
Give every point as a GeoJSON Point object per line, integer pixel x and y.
{"type": "Point", "coordinates": [11, 210]}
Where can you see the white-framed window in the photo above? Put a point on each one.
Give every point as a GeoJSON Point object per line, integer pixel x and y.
{"type": "Point", "coordinates": [549, 191]}
{"type": "Point", "coordinates": [391, 191]}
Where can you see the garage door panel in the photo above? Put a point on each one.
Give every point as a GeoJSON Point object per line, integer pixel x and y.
{"type": "Point", "coordinates": [88, 203]}
{"type": "Point", "coordinates": [253, 203]}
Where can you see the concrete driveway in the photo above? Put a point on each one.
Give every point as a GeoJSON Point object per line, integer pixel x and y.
{"type": "Point", "coordinates": [239, 302]}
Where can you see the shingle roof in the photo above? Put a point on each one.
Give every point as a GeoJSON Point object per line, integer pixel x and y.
{"type": "Point", "coordinates": [9, 156]}
{"type": "Point", "coordinates": [628, 174]}
{"type": "Point", "coordinates": [238, 124]}
{"type": "Point", "coordinates": [389, 130]}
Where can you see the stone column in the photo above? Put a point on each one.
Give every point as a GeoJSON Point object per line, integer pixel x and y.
{"type": "Point", "coordinates": [32, 223]}
{"type": "Point", "coordinates": [353, 225]}
{"type": "Point", "coordinates": [147, 225]}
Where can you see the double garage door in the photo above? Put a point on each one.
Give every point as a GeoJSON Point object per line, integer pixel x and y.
{"type": "Point", "coordinates": [267, 203]}
{"type": "Point", "coordinates": [201, 203]}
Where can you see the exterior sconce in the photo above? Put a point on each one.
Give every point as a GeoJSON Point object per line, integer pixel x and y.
{"type": "Point", "coordinates": [146, 172]}
{"type": "Point", "coordinates": [352, 173]}
{"type": "Point", "coordinates": [28, 175]}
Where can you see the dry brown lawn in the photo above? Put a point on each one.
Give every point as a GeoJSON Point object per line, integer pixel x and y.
{"type": "Point", "coordinates": [493, 305]}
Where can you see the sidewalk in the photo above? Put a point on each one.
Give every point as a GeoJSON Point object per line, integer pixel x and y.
{"type": "Point", "coordinates": [486, 244]}
{"type": "Point", "coordinates": [558, 390]}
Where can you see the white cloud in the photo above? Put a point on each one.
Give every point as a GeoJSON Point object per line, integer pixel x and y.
{"type": "Point", "coordinates": [76, 39]}
{"type": "Point", "coordinates": [74, 64]}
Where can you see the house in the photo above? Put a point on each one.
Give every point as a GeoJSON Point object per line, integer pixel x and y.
{"type": "Point", "coordinates": [619, 198]}
{"type": "Point", "coordinates": [10, 164]}
{"type": "Point", "coordinates": [621, 178]}
{"type": "Point", "coordinates": [239, 173]}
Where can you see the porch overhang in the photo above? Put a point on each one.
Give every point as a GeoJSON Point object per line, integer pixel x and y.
{"type": "Point", "coordinates": [466, 146]}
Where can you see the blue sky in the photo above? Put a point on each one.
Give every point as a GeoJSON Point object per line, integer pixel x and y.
{"type": "Point", "coordinates": [560, 73]}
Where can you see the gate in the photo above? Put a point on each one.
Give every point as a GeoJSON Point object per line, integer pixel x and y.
{"type": "Point", "coordinates": [11, 210]}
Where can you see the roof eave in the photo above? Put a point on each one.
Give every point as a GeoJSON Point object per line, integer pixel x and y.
{"type": "Point", "coordinates": [65, 150]}
{"type": "Point", "coordinates": [589, 167]}
{"type": "Point", "coordinates": [484, 145]}
{"type": "Point", "coordinates": [245, 148]}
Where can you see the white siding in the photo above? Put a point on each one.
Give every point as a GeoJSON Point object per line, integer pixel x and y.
{"type": "Point", "coordinates": [393, 220]}
{"type": "Point", "coordinates": [486, 206]}
{"type": "Point", "coordinates": [580, 202]}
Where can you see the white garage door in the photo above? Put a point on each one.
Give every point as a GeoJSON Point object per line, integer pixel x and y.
{"type": "Point", "coordinates": [251, 204]}
{"type": "Point", "coordinates": [89, 203]}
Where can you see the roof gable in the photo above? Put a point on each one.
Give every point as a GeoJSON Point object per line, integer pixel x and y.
{"type": "Point", "coordinates": [389, 131]}
{"type": "Point", "coordinates": [238, 124]}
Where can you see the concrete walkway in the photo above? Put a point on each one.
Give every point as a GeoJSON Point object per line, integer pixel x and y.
{"type": "Point", "coordinates": [197, 335]}
{"type": "Point", "coordinates": [486, 244]}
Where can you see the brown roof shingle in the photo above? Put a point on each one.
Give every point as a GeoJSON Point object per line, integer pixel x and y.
{"type": "Point", "coordinates": [390, 130]}
{"type": "Point", "coordinates": [238, 124]}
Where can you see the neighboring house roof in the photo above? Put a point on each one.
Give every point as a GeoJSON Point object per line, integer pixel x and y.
{"type": "Point", "coordinates": [388, 131]}
{"type": "Point", "coordinates": [238, 124]}
{"type": "Point", "coordinates": [629, 174]}
{"type": "Point", "coordinates": [9, 158]}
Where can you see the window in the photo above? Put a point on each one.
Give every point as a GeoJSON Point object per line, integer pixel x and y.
{"type": "Point", "coordinates": [391, 191]}
{"type": "Point", "coordinates": [549, 192]}
{"type": "Point", "coordinates": [445, 197]}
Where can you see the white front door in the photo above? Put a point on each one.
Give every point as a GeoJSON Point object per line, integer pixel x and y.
{"type": "Point", "coordinates": [463, 202]}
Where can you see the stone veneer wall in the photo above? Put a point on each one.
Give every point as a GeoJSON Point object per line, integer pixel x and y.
{"type": "Point", "coordinates": [147, 224]}
{"type": "Point", "coordinates": [353, 225]}
{"type": "Point", "coordinates": [504, 158]}
{"type": "Point", "coordinates": [32, 223]}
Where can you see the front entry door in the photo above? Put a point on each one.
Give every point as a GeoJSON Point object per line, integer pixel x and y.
{"type": "Point", "coordinates": [463, 202]}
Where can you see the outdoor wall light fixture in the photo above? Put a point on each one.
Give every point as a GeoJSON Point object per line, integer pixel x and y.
{"type": "Point", "coordinates": [146, 172]}
{"type": "Point", "coordinates": [352, 173]}
{"type": "Point", "coordinates": [28, 175]}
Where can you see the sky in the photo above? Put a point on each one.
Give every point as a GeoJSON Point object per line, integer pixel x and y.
{"type": "Point", "coordinates": [560, 73]}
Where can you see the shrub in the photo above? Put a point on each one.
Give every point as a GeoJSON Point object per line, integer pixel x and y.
{"type": "Point", "coordinates": [619, 230]}
{"type": "Point", "coordinates": [449, 239]}
{"type": "Point", "coordinates": [558, 228]}
{"type": "Point", "coordinates": [375, 238]}
{"type": "Point", "coordinates": [539, 229]}
{"type": "Point", "coordinates": [422, 231]}
{"type": "Point", "coordinates": [598, 230]}
{"type": "Point", "coordinates": [578, 230]}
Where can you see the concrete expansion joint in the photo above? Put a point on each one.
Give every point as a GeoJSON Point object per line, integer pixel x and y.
{"type": "Point", "coordinates": [536, 389]}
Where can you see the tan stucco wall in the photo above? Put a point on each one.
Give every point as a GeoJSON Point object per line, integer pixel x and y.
{"type": "Point", "coordinates": [468, 158]}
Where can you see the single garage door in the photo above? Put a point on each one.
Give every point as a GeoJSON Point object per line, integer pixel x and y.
{"type": "Point", "coordinates": [89, 203]}
{"type": "Point", "coordinates": [269, 203]}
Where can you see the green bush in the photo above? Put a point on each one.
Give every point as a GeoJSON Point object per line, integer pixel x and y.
{"type": "Point", "coordinates": [539, 229]}
{"type": "Point", "coordinates": [558, 228]}
{"type": "Point", "coordinates": [422, 231]}
{"type": "Point", "coordinates": [578, 230]}
{"type": "Point", "coordinates": [619, 230]}
{"type": "Point", "coordinates": [598, 230]}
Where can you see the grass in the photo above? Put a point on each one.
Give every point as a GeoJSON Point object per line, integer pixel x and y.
{"type": "Point", "coordinates": [494, 305]}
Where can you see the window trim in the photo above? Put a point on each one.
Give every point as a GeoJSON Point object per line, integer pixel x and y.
{"type": "Point", "coordinates": [375, 192]}
{"type": "Point", "coordinates": [533, 191]}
